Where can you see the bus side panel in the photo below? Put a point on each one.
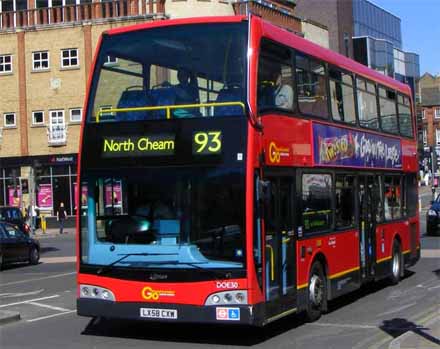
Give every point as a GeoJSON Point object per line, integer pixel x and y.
{"type": "Point", "coordinates": [385, 236]}
{"type": "Point", "coordinates": [341, 254]}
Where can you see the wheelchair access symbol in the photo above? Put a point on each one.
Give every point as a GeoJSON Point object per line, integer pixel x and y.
{"type": "Point", "coordinates": [228, 314]}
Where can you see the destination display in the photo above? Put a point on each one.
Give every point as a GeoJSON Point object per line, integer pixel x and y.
{"type": "Point", "coordinates": [203, 143]}
{"type": "Point", "coordinates": [149, 145]}
{"type": "Point", "coordinates": [343, 147]}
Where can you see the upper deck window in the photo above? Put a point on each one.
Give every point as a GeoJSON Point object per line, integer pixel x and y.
{"type": "Point", "coordinates": [367, 104]}
{"type": "Point", "coordinates": [312, 86]}
{"type": "Point", "coordinates": [171, 72]}
{"type": "Point", "coordinates": [342, 96]}
{"type": "Point", "coordinates": [405, 119]}
{"type": "Point", "coordinates": [275, 78]}
{"type": "Point", "coordinates": [388, 115]}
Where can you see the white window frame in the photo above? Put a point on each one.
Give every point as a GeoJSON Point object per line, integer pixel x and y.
{"type": "Point", "coordinates": [69, 58]}
{"type": "Point", "coordinates": [40, 61]}
{"type": "Point", "coordinates": [3, 64]}
{"type": "Point", "coordinates": [437, 112]}
{"type": "Point", "coordinates": [80, 115]}
{"type": "Point", "coordinates": [423, 114]}
{"type": "Point", "coordinates": [4, 120]}
{"type": "Point", "coordinates": [425, 137]}
{"type": "Point", "coordinates": [437, 136]}
{"type": "Point", "coordinates": [33, 118]}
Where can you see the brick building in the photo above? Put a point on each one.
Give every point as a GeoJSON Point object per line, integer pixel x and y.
{"type": "Point", "coordinates": [429, 120]}
{"type": "Point", "coordinates": [46, 50]}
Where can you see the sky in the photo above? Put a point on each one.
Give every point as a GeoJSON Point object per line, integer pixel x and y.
{"type": "Point", "coordinates": [420, 20]}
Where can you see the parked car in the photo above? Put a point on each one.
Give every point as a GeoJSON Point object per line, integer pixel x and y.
{"type": "Point", "coordinates": [433, 218]}
{"type": "Point", "coordinates": [16, 246]}
{"type": "Point", "coordinates": [13, 215]}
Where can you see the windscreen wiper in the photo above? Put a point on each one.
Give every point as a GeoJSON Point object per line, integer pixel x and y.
{"type": "Point", "coordinates": [125, 255]}
{"type": "Point", "coordinates": [219, 275]}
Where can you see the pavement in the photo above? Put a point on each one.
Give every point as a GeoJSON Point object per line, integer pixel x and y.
{"type": "Point", "coordinates": [39, 233]}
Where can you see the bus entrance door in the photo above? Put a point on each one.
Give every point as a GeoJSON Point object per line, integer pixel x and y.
{"type": "Point", "coordinates": [368, 203]}
{"type": "Point", "coordinates": [280, 242]}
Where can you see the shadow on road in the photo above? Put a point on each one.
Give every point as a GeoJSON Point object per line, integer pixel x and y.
{"type": "Point", "coordinates": [214, 333]}
{"type": "Point", "coordinates": [363, 292]}
{"type": "Point", "coordinates": [48, 249]}
{"type": "Point", "coordinates": [397, 326]}
{"type": "Point", "coordinates": [190, 333]}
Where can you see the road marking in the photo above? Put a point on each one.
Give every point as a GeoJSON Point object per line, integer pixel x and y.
{"type": "Point", "coordinates": [54, 260]}
{"type": "Point", "coordinates": [14, 295]}
{"type": "Point", "coordinates": [430, 253]}
{"type": "Point", "coordinates": [354, 326]}
{"type": "Point", "coordinates": [396, 309]}
{"type": "Point", "coordinates": [49, 316]}
{"type": "Point", "coordinates": [28, 301]}
{"type": "Point", "coordinates": [433, 287]}
{"type": "Point", "coordinates": [42, 278]}
{"type": "Point", "coordinates": [48, 306]}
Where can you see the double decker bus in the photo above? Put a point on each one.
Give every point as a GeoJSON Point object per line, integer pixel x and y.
{"type": "Point", "coordinates": [233, 172]}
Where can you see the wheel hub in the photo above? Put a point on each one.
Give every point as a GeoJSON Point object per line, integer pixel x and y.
{"type": "Point", "coordinates": [316, 290]}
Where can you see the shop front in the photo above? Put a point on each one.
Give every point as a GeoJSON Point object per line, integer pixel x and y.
{"type": "Point", "coordinates": [44, 180]}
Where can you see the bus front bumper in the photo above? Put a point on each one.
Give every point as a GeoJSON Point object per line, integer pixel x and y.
{"type": "Point", "coordinates": [232, 314]}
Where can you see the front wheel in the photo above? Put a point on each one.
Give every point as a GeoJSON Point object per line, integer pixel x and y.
{"type": "Point", "coordinates": [316, 293]}
{"type": "Point", "coordinates": [34, 256]}
{"type": "Point", "coordinates": [396, 263]}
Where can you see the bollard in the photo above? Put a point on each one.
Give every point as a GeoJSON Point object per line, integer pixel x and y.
{"type": "Point", "coordinates": [43, 224]}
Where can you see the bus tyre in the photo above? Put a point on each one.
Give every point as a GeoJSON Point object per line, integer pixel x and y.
{"type": "Point", "coordinates": [34, 256]}
{"type": "Point", "coordinates": [396, 263]}
{"type": "Point", "coordinates": [316, 293]}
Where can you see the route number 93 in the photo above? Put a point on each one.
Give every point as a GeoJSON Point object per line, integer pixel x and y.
{"type": "Point", "coordinates": [207, 142]}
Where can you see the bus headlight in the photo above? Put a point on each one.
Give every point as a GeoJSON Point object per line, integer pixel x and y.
{"type": "Point", "coordinates": [96, 292]}
{"type": "Point", "coordinates": [227, 297]}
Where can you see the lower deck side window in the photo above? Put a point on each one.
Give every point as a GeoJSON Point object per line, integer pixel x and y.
{"type": "Point", "coordinates": [317, 212]}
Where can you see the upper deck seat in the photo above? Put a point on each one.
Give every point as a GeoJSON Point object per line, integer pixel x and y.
{"type": "Point", "coordinates": [163, 96]}
{"type": "Point", "coordinates": [229, 94]}
{"type": "Point", "coordinates": [133, 99]}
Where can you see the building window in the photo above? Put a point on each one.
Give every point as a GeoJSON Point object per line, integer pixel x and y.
{"type": "Point", "coordinates": [425, 137]}
{"type": "Point", "coordinates": [9, 120]}
{"type": "Point", "coordinates": [437, 136]}
{"type": "Point", "coordinates": [37, 118]}
{"type": "Point", "coordinates": [75, 115]}
{"type": "Point", "coordinates": [40, 60]}
{"type": "Point", "coordinates": [5, 64]}
{"type": "Point", "coordinates": [437, 113]}
{"type": "Point", "coordinates": [423, 114]}
{"type": "Point", "coordinates": [69, 58]}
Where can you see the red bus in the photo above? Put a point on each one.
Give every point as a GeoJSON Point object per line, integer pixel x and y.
{"type": "Point", "coordinates": [233, 172]}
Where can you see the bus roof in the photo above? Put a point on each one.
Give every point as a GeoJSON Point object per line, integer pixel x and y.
{"type": "Point", "coordinates": [282, 36]}
{"type": "Point", "coordinates": [179, 21]}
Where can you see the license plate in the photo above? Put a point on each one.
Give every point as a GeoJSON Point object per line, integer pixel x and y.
{"type": "Point", "coordinates": [154, 313]}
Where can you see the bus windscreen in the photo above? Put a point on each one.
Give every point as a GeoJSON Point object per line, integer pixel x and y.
{"type": "Point", "coordinates": [171, 72]}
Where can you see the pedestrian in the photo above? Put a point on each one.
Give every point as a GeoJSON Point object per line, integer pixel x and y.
{"type": "Point", "coordinates": [61, 216]}
{"type": "Point", "coordinates": [34, 214]}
